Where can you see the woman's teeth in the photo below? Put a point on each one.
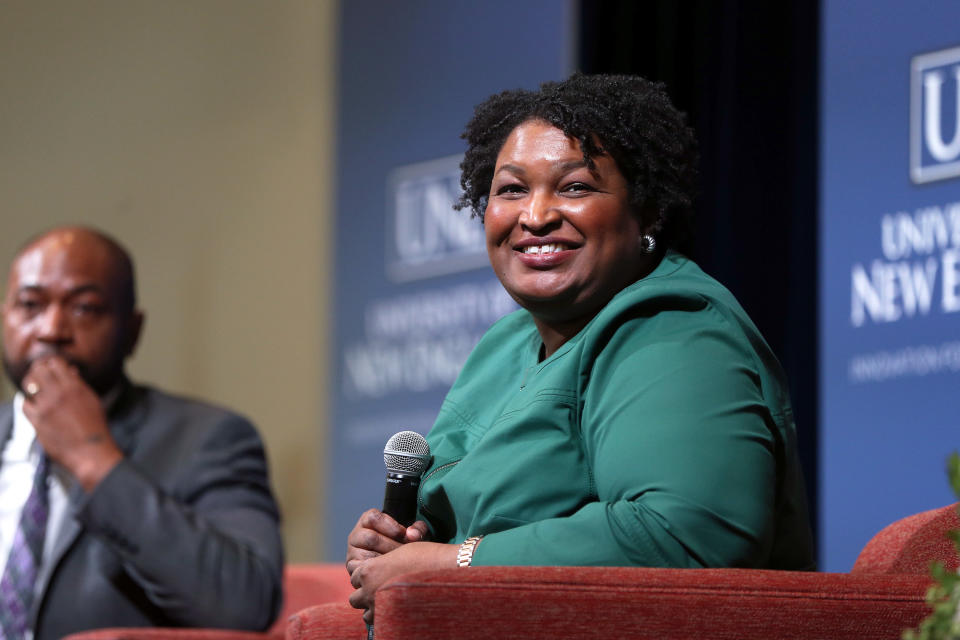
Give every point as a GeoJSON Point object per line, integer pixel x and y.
{"type": "Point", "coordinates": [544, 249]}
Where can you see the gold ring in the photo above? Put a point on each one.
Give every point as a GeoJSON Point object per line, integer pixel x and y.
{"type": "Point", "coordinates": [32, 389]}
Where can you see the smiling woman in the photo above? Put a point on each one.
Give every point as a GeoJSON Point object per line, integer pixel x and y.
{"type": "Point", "coordinates": [630, 413]}
{"type": "Point", "coordinates": [561, 234]}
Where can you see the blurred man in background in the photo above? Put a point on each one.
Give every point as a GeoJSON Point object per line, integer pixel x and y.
{"type": "Point", "coordinates": [120, 505]}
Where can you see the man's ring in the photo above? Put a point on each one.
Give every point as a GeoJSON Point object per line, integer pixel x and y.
{"type": "Point", "coordinates": [32, 389]}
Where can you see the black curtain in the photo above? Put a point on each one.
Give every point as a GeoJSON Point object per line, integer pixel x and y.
{"type": "Point", "coordinates": [746, 75]}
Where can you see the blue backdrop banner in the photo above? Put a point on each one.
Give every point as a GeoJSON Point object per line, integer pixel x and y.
{"type": "Point", "coordinates": [413, 292]}
{"type": "Point", "coordinates": [890, 265]}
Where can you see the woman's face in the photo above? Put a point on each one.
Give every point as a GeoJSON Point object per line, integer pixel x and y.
{"type": "Point", "coordinates": [562, 238]}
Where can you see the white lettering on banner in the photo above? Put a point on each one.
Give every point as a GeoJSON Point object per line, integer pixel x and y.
{"type": "Point", "coordinates": [935, 116]}
{"type": "Point", "coordinates": [412, 236]}
{"type": "Point", "coordinates": [910, 283]}
{"type": "Point", "coordinates": [420, 341]}
{"type": "Point", "coordinates": [933, 130]}
{"type": "Point", "coordinates": [376, 369]}
{"type": "Point", "coordinates": [892, 290]}
{"type": "Point", "coordinates": [922, 282]}
{"type": "Point", "coordinates": [920, 360]}
{"type": "Point", "coordinates": [426, 236]}
{"type": "Point", "coordinates": [438, 310]}
{"type": "Point", "coordinates": [928, 230]}
{"type": "Point", "coordinates": [900, 288]}
{"type": "Point", "coordinates": [951, 281]}
{"type": "Point", "coordinates": [427, 225]}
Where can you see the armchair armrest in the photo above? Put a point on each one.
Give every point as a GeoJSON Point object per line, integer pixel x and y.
{"type": "Point", "coordinates": [603, 602]}
{"type": "Point", "coordinates": [332, 621]}
{"type": "Point", "coordinates": [141, 633]}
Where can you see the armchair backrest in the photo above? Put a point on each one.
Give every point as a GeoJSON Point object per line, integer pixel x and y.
{"type": "Point", "coordinates": [911, 544]}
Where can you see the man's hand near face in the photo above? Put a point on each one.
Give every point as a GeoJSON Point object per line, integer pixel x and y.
{"type": "Point", "coordinates": [70, 421]}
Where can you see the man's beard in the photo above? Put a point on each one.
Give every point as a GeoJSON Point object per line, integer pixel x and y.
{"type": "Point", "coordinates": [100, 382]}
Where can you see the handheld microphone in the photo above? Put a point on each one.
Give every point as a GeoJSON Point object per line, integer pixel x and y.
{"type": "Point", "coordinates": [406, 456]}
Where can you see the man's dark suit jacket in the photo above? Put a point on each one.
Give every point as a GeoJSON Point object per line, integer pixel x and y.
{"type": "Point", "coordinates": [183, 532]}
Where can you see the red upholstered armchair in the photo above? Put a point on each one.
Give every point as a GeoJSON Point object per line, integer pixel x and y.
{"type": "Point", "coordinates": [883, 595]}
{"type": "Point", "coordinates": [304, 585]}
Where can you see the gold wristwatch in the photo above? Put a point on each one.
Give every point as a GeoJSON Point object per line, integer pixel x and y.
{"type": "Point", "coordinates": [465, 554]}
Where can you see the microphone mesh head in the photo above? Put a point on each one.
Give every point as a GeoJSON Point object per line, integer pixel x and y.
{"type": "Point", "coordinates": [407, 452]}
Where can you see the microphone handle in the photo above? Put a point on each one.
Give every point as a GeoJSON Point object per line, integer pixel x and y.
{"type": "Point", "coordinates": [400, 497]}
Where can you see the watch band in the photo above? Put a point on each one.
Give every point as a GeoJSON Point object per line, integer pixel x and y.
{"type": "Point", "coordinates": [465, 554]}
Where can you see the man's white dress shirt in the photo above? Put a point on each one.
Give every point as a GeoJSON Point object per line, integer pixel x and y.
{"type": "Point", "coordinates": [18, 465]}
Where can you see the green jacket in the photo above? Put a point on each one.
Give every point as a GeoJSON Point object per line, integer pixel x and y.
{"type": "Point", "coordinates": [660, 435]}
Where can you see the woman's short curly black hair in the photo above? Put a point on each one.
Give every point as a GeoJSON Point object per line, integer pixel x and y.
{"type": "Point", "coordinates": [628, 117]}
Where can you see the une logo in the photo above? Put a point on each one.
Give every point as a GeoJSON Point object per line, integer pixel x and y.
{"type": "Point", "coordinates": [935, 116]}
{"type": "Point", "coordinates": [426, 236]}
